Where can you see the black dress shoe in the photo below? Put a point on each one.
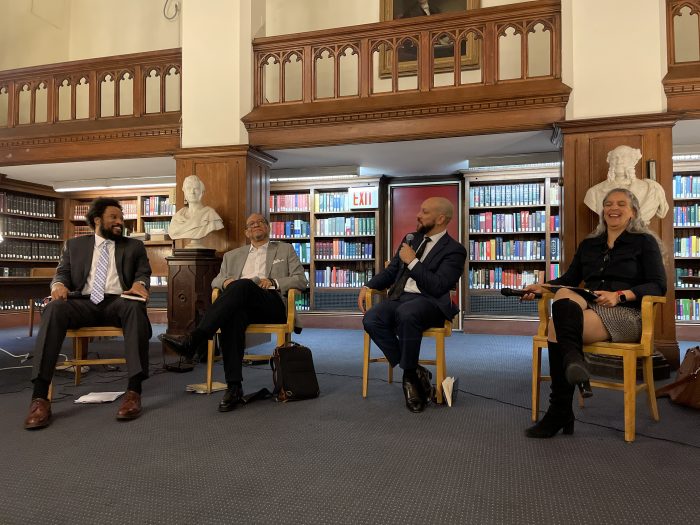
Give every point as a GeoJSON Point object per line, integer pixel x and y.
{"type": "Point", "coordinates": [424, 377]}
{"type": "Point", "coordinates": [232, 397]}
{"type": "Point", "coordinates": [180, 344]}
{"type": "Point", "coordinates": [415, 398]}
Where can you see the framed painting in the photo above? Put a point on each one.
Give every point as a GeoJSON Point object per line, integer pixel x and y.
{"type": "Point", "coordinates": [443, 53]}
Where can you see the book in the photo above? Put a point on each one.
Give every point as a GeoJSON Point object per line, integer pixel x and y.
{"type": "Point", "coordinates": [588, 295]}
{"type": "Point", "coordinates": [99, 397]}
{"type": "Point", "coordinates": [133, 297]}
{"type": "Point", "coordinates": [450, 387]}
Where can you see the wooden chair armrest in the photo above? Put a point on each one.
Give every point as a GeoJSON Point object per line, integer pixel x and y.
{"type": "Point", "coordinates": [369, 298]}
{"type": "Point", "coordinates": [649, 303]}
{"type": "Point", "coordinates": [291, 308]}
{"type": "Point", "coordinates": [544, 313]}
{"type": "Point", "coordinates": [215, 293]}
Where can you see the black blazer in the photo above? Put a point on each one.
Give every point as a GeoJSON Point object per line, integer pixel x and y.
{"type": "Point", "coordinates": [436, 276]}
{"type": "Point", "coordinates": [633, 263]}
{"type": "Point", "coordinates": [76, 261]}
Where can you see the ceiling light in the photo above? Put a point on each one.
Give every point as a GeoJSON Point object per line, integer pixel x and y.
{"type": "Point", "coordinates": [124, 183]}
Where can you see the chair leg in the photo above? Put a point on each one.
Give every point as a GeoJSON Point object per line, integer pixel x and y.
{"type": "Point", "coordinates": [281, 338]}
{"type": "Point", "coordinates": [50, 394]}
{"type": "Point", "coordinates": [210, 364]}
{"type": "Point", "coordinates": [648, 374]}
{"type": "Point", "coordinates": [440, 370]}
{"type": "Point", "coordinates": [536, 380]}
{"type": "Point", "coordinates": [390, 373]}
{"type": "Point", "coordinates": [31, 316]}
{"type": "Point", "coordinates": [365, 364]}
{"type": "Point", "coordinates": [80, 345]}
{"type": "Point", "coordinates": [629, 363]}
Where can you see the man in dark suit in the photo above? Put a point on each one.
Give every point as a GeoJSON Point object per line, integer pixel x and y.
{"type": "Point", "coordinates": [421, 276]}
{"type": "Point", "coordinates": [255, 279]}
{"type": "Point", "coordinates": [94, 271]}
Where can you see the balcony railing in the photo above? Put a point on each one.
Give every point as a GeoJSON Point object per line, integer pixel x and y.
{"type": "Point", "coordinates": [499, 53]}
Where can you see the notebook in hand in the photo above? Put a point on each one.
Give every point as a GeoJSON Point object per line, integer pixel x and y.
{"type": "Point", "coordinates": [133, 297]}
{"type": "Point", "coordinates": [588, 295]}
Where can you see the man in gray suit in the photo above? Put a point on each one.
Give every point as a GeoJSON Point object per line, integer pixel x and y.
{"type": "Point", "coordinates": [255, 280]}
{"type": "Point", "coordinates": [94, 271]}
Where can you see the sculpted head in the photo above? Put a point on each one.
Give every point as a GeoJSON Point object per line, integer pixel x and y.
{"type": "Point", "coordinates": [621, 162]}
{"type": "Point", "coordinates": [193, 188]}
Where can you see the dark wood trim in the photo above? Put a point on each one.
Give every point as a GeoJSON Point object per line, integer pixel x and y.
{"type": "Point", "coordinates": [634, 122]}
{"type": "Point", "coordinates": [224, 151]}
{"type": "Point", "coordinates": [499, 326]}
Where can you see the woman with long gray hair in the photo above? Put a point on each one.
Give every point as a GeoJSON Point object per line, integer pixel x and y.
{"type": "Point", "coordinates": [621, 260]}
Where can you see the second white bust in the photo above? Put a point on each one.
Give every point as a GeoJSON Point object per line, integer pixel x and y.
{"type": "Point", "coordinates": [196, 220]}
{"type": "Point", "coordinates": [621, 174]}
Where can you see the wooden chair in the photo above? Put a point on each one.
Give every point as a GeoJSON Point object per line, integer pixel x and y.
{"type": "Point", "coordinates": [81, 338]}
{"type": "Point", "coordinates": [37, 272]}
{"type": "Point", "coordinates": [439, 333]}
{"type": "Point", "coordinates": [629, 352]}
{"type": "Point", "coordinates": [283, 331]}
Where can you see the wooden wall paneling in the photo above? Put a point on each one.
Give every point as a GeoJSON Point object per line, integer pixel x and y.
{"type": "Point", "coordinates": [586, 145]}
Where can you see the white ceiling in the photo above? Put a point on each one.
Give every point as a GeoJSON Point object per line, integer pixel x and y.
{"type": "Point", "coordinates": [408, 158]}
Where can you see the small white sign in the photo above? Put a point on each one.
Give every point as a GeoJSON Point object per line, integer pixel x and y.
{"type": "Point", "coordinates": [365, 197]}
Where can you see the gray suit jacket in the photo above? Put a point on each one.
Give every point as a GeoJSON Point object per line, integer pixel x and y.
{"type": "Point", "coordinates": [282, 265]}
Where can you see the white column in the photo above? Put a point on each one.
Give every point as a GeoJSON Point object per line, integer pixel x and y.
{"type": "Point", "coordinates": [217, 69]}
{"type": "Point", "coordinates": [614, 57]}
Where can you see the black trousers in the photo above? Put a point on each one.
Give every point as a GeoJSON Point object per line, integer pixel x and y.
{"type": "Point", "coordinates": [242, 303]}
{"type": "Point", "coordinates": [60, 316]}
{"type": "Point", "coordinates": [397, 327]}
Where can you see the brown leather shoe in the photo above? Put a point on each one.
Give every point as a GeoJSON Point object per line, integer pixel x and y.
{"type": "Point", "coordinates": [39, 414]}
{"type": "Point", "coordinates": [131, 406]}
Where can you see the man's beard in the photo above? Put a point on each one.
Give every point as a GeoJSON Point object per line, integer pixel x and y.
{"type": "Point", "coordinates": [424, 228]}
{"type": "Point", "coordinates": [106, 233]}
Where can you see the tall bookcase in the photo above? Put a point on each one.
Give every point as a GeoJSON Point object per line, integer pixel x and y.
{"type": "Point", "coordinates": [512, 227]}
{"type": "Point", "coordinates": [338, 243]}
{"type": "Point", "coordinates": [686, 240]}
{"type": "Point", "coordinates": [31, 226]}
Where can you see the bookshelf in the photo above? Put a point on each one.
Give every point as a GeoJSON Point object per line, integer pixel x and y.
{"type": "Point", "coordinates": [336, 240]}
{"type": "Point", "coordinates": [686, 241]}
{"type": "Point", "coordinates": [31, 227]}
{"type": "Point", "coordinates": [512, 237]}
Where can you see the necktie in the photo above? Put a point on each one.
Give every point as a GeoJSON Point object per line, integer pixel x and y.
{"type": "Point", "coordinates": [97, 294]}
{"type": "Point", "coordinates": [396, 291]}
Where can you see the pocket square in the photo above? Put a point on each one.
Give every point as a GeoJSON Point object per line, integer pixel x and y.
{"type": "Point", "coordinates": [277, 261]}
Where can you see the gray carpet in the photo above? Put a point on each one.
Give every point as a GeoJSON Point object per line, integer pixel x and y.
{"type": "Point", "coordinates": [339, 458]}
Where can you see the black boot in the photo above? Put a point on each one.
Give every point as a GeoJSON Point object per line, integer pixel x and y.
{"type": "Point", "coordinates": [568, 323]}
{"type": "Point", "coordinates": [559, 415]}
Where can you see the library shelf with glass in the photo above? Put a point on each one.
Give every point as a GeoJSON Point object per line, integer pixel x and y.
{"type": "Point", "coordinates": [686, 241]}
{"type": "Point", "coordinates": [512, 230]}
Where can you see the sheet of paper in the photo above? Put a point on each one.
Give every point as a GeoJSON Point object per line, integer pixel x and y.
{"type": "Point", "coordinates": [99, 397]}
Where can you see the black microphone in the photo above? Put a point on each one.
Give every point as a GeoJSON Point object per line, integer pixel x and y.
{"type": "Point", "coordinates": [408, 240]}
{"type": "Point", "coordinates": [515, 292]}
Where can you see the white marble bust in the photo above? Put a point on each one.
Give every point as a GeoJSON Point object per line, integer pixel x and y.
{"type": "Point", "coordinates": [651, 196]}
{"type": "Point", "coordinates": [196, 220]}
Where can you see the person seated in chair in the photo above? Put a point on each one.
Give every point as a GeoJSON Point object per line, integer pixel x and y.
{"type": "Point", "coordinates": [420, 278]}
{"type": "Point", "coordinates": [621, 261]}
{"type": "Point", "coordinates": [255, 280]}
{"type": "Point", "coordinates": [94, 271]}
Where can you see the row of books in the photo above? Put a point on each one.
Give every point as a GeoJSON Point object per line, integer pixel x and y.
{"type": "Point", "coordinates": [157, 205]}
{"type": "Point", "coordinates": [129, 209]}
{"type": "Point", "coordinates": [290, 229]}
{"type": "Point", "coordinates": [11, 271]}
{"type": "Point", "coordinates": [688, 309]}
{"type": "Point", "coordinates": [523, 221]}
{"type": "Point", "coordinates": [303, 250]}
{"type": "Point", "coordinates": [289, 202]}
{"type": "Point", "coordinates": [498, 277]}
{"type": "Point", "coordinates": [523, 194]}
{"type": "Point", "coordinates": [684, 272]}
{"type": "Point", "coordinates": [686, 246]}
{"type": "Point", "coordinates": [159, 280]}
{"type": "Point", "coordinates": [30, 250]}
{"type": "Point", "coordinates": [24, 205]}
{"type": "Point", "coordinates": [17, 305]}
{"type": "Point", "coordinates": [340, 249]}
{"type": "Point", "coordinates": [346, 226]}
{"type": "Point", "coordinates": [302, 302]}
{"type": "Point", "coordinates": [149, 226]}
{"type": "Point", "coordinates": [334, 277]}
{"type": "Point", "coordinates": [82, 229]}
{"type": "Point", "coordinates": [30, 228]}
{"type": "Point", "coordinates": [686, 186]}
{"type": "Point", "coordinates": [499, 249]}
{"type": "Point", "coordinates": [686, 216]}
{"type": "Point", "coordinates": [332, 201]}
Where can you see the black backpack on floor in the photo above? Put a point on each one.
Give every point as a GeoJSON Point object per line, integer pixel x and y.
{"type": "Point", "coordinates": [293, 373]}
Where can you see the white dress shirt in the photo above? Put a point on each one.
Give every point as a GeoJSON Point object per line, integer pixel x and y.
{"type": "Point", "coordinates": [255, 264]}
{"type": "Point", "coordinates": [112, 284]}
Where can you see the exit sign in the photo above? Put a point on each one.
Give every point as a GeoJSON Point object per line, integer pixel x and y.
{"type": "Point", "coordinates": [364, 197]}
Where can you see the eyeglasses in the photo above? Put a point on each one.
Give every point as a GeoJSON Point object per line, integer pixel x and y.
{"type": "Point", "coordinates": [254, 224]}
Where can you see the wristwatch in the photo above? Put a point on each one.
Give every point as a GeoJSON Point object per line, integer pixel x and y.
{"type": "Point", "coordinates": [622, 298]}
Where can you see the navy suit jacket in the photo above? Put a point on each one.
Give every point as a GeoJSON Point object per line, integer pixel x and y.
{"type": "Point", "coordinates": [436, 276]}
{"type": "Point", "coordinates": [76, 261]}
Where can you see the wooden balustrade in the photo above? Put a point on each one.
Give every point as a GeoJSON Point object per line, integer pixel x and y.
{"type": "Point", "coordinates": [682, 82]}
{"type": "Point", "coordinates": [93, 102]}
{"type": "Point", "coordinates": [483, 59]}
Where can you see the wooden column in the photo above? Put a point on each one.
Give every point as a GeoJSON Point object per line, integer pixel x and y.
{"type": "Point", "coordinates": [586, 146]}
{"type": "Point", "coordinates": [236, 180]}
